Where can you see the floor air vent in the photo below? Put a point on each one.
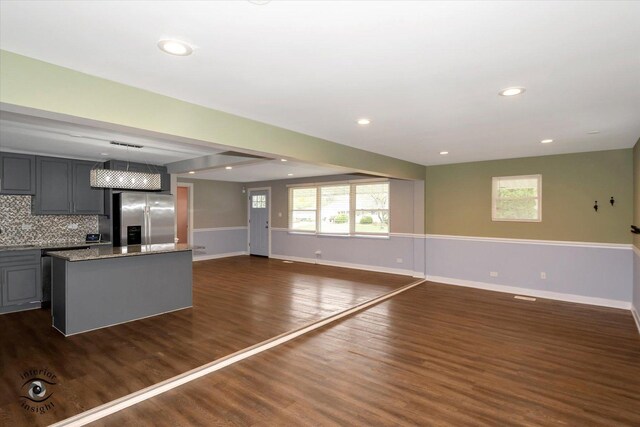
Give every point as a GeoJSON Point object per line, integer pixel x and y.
{"type": "Point", "coordinates": [524, 298]}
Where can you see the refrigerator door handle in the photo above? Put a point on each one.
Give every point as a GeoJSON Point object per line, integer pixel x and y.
{"type": "Point", "coordinates": [147, 225]}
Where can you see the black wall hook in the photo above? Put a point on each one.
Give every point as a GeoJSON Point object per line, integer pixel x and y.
{"type": "Point", "coordinates": [595, 207]}
{"type": "Point", "coordinates": [612, 201]}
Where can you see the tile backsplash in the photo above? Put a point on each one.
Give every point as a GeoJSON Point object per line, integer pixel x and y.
{"type": "Point", "coordinates": [18, 226]}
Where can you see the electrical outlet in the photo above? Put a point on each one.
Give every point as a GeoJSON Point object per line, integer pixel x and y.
{"type": "Point", "coordinates": [73, 226]}
{"type": "Point", "coordinates": [27, 226]}
{"type": "Point", "coordinates": [318, 252]}
{"type": "Point", "coordinates": [543, 275]}
{"type": "Point", "coordinates": [279, 214]}
{"type": "Point", "coordinates": [493, 273]}
{"type": "Point", "coordinates": [399, 260]}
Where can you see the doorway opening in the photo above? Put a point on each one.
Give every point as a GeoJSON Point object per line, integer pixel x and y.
{"type": "Point", "coordinates": [184, 213]}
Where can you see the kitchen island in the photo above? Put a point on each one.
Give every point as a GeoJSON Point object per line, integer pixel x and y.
{"type": "Point", "coordinates": [104, 286]}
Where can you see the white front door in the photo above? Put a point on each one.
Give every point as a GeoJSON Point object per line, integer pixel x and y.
{"type": "Point", "coordinates": [259, 222]}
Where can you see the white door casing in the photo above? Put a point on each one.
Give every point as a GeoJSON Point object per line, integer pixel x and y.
{"type": "Point", "coordinates": [259, 211]}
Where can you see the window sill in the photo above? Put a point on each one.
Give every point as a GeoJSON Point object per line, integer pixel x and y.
{"type": "Point", "coordinates": [515, 220]}
{"type": "Point", "coordinates": [303, 233]}
{"type": "Point", "coordinates": [357, 236]}
{"type": "Point", "coordinates": [372, 236]}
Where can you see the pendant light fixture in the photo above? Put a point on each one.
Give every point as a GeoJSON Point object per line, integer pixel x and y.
{"type": "Point", "coordinates": [125, 179]}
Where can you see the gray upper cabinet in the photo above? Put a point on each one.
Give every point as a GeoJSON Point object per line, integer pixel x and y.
{"type": "Point", "coordinates": [62, 187]}
{"type": "Point", "coordinates": [17, 173]}
{"type": "Point", "coordinates": [85, 199]}
{"type": "Point", "coordinates": [53, 189]}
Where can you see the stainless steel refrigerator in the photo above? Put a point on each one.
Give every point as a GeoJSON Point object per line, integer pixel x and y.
{"type": "Point", "coordinates": [143, 219]}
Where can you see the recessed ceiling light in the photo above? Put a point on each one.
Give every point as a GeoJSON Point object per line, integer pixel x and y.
{"type": "Point", "coordinates": [511, 91]}
{"type": "Point", "coordinates": [289, 174]}
{"type": "Point", "coordinates": [104, 154]}
{"type": "Point", "coordinates": [192, 172]}
{"type": "Point", "coordinates": [444, 153]}
{"type": "Point", "coordinates": [175, 47]}
{"type": "Point", "coordinates": [283, 160]}
{"type": "Point", "coordinates": [546, 141]}
{"type": "Point", "coordinates": [593, 132]}
{"type": "Point", "coordinates": [364, 121]}
{"type": "Point", "coordinates": [228, 167]}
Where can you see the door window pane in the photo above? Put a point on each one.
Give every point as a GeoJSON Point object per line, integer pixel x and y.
{"type": "Point", "coordinates": [259, 201]}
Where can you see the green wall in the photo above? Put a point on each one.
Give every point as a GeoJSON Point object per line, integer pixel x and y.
{"type": "Point", "coordinates": [29, 84]}
{"type": "Point", "coordinates": [458, 197]}
{"type": "Point", "coordinates": [217, 203]}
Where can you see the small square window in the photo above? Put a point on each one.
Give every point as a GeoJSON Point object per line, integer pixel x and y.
{"type": "Point", "coordinates": [517, 198]}
{"type": "Point", "coordinates": [259, 201]}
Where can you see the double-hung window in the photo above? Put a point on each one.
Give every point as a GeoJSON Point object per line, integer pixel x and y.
{"type": "Point", "coordinates": [335, 216]}
{"type": "Point", "coordinates": [372, 208]}
{"type": "Point", "coordinates": [517, 198]}
{"type": "Point", "coordinates": [340, 208]}
{"type": "Point", "coordinates": [302, 208]}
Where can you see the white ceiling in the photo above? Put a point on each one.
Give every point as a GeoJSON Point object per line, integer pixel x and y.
{"type": "Point", "coordinates": [266, 170]}
{"type": "Point", "coordinates": [24, 134]}
{"type": "Point", "coordinates": [426, 73]}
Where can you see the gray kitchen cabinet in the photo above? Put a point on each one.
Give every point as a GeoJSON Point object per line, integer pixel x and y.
{"type": "Point", "coordinates": [53, 186]}
{"type": "Point", "coordinates": [85, 199]}
{"type": "Point", "coordinates": [20, 280]}
{"type": "Point", "coordinates": [62, 188]}
{"type": "Point", "coordinates": [17, 173]}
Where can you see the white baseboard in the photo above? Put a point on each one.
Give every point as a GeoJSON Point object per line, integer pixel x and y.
{"type": "Point", "coordinates": [216, 256]}
{"type": "Point", "coordinates": [378, 269]}
{"type": "Point", "coordinates": [636, 317]}
{"type": "Point", "coordinates": [603, 302]}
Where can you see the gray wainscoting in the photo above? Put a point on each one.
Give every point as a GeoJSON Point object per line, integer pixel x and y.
{"type": "Point", "coordinates": [219, 242]}
{"type": "Point", "coordinates": [588, 273]}
{"type": "Point", "coordinates": [369, 253]}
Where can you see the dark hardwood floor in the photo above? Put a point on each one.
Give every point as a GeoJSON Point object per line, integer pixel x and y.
{"type": "Point", "coordinates": [237, 302]}
{"type": "Point", "coordinates": [433, 355]}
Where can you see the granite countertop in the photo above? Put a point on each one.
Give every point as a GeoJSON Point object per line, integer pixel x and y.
{"type": "Point", "coordinates": [115, 252]}
{"type": "Point", "coordinates": [52, 245]}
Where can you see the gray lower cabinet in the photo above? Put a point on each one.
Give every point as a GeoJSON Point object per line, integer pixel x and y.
{"type": "Point", "coordinates": [63, 187]}
{"type": "Point", "coordinates": [20, 280]}
{"type": "Point", "coordinates": [17, 174]}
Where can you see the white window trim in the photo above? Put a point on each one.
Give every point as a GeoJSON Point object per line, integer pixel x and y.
{"type": "Point", "coordinates": [319, 213]}
{"type": "Point", "coordinates": [494, 181]}
{"type": "Point", "coordinates": [291, 211]}
{"type": "Point", "coordinates": [344, 182]}
{"type": "Point", "coordinates": [352, 207]}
